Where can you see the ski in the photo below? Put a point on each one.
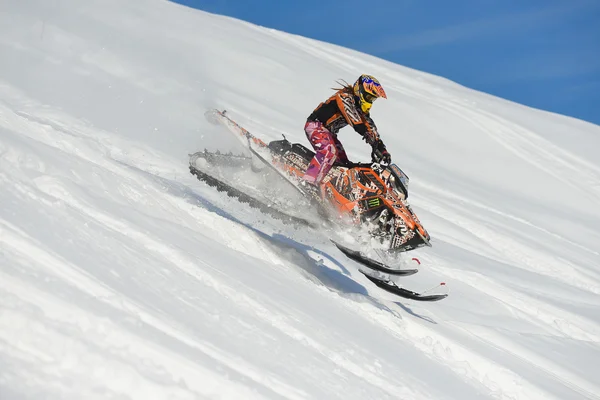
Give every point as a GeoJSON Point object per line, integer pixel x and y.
{"type": "Point", "coordinates": [251, 201]}
{"type": "Point", "coordinates": [372, 264]}
{"type": "Point", "coordinates": [391, 287]}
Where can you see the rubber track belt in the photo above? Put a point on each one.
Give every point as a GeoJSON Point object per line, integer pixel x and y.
{"type": "Point", "coordinates": [251, 201]}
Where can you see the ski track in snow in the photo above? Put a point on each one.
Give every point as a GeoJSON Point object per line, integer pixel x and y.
{"type": "Point", "coordinates": [122, 276]}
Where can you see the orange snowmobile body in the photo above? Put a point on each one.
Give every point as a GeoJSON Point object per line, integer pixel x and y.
{"type": "Point", "coordinates": [361, 193]}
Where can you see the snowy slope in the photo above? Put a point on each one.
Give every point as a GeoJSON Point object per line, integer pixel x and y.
{"type": "Point", "coordinates": [121, 276]}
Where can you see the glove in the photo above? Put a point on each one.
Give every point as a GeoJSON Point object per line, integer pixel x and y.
{"type": "Point", "coordinates": [380, 153]}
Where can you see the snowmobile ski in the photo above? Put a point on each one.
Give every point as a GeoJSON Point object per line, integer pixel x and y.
{"type": "Point", "coordinates": [391, 287]}
{"type": "Point", "coordinates": [245, 198]}
{"type": "Point", "coordinates": [372, 264]}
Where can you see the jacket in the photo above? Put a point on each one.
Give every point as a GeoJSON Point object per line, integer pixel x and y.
{"type": "Point", "coordinates": [340, 110]}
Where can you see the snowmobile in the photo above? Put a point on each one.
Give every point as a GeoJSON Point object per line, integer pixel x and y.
{"type": "Point", "coordinates": [372, 196]}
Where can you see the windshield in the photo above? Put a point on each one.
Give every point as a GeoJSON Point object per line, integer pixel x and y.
{"type": "Point", "coordinates": [398, 179]}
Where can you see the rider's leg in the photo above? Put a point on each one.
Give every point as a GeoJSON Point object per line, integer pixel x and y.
{"type": "Point", "coordinates": [341, 153]}
{"type": "Point", "coordinates": [326, 151]}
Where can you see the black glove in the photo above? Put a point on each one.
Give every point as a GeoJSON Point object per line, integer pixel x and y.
{"type": "Point", "coordinates": [380, 153]}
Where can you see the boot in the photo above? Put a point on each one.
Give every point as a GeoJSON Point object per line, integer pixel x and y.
{"type": "Point", "coordinates": [310, 191]}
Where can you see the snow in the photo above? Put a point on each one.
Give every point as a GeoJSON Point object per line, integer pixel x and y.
{"type": "Point", "coordinates": [122, 276]}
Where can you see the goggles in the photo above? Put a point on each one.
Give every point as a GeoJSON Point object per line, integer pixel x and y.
{"type": "Point", "coordinates": [369, 97]}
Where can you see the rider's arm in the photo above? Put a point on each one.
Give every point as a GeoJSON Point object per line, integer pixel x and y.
{"type": "Point", "coordinates": [362, 124]}
{"type": "Point", "coordinates": [345, 103]}
{"type": "Point", "coordinates": [367, 129]}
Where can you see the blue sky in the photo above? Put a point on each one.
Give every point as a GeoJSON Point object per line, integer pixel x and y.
{"type": "Point", "coordinates": [542, 53]}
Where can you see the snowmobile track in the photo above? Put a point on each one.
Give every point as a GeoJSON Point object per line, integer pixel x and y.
{"type": "Point", "coordinates": [251, 201]}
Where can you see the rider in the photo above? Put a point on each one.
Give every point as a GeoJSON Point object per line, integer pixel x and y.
{"type": "Point", "coordinates": [350, 105]}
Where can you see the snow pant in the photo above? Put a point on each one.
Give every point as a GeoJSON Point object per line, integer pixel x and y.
{"type": "Point", "coordinates": [328, 150]}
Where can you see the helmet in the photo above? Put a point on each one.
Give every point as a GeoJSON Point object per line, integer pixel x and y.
{"type": "Point", "coordinates": [367, 89]}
